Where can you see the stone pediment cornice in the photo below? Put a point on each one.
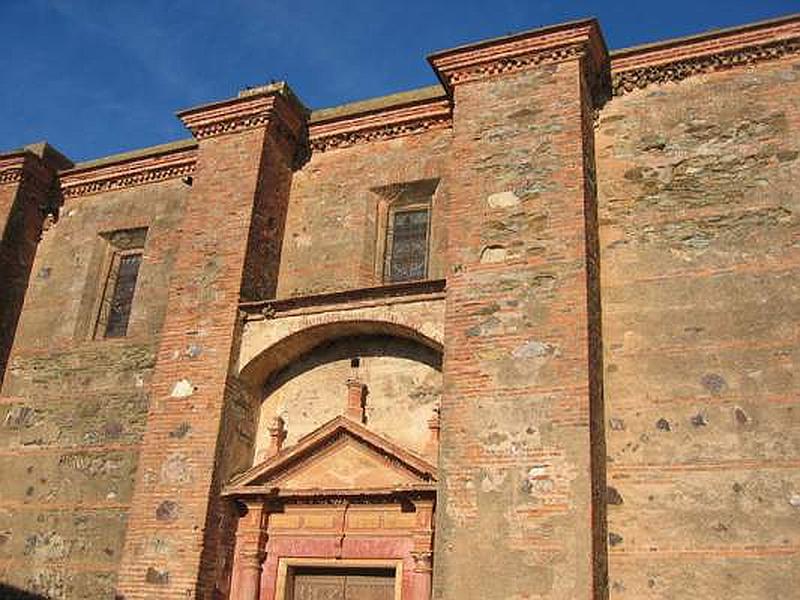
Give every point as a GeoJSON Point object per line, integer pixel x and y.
{"type": "Point", "coordinates": [257, 480]}
{"type": "Point", "coordinates": [513, 53]}
{"type": "Point", "coordinates": [383, 124]}
{"type": "Point", "coordinates": [141, 170]}
{"type": "Point", "coordinates": [675, 60]}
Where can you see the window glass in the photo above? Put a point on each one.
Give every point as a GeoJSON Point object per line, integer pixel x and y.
{"type": "Point", "coordinates": [121, 301]}
{"type": "Point", "coordinates": [408, 245]}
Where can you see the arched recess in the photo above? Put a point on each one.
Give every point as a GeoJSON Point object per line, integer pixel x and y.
{"type": "Point", "coordinates": [278, 355]}
{"type": "Point", "coordinates": [305, 378]}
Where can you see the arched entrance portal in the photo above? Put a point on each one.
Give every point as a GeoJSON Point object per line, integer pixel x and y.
{"type": "Point", "coordinates": [340, 500]}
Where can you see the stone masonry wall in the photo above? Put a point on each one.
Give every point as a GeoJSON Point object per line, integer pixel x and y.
{"type": "Point", "coordinates": [73, 409]}
{"type": "Point", "coordinates": [331, 230]}
{"type": "Point", "coordinates": [699, 209]}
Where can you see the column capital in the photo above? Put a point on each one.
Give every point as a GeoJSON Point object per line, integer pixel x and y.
{"type": "Point", "coordinates": [423, 561]}
{"type": "Point", "coordinates": [517, 52]}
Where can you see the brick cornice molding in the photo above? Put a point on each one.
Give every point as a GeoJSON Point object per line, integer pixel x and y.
{"type": "Point", "coordinates": [266, 105]}
{"type": "Point", "coordinates": [83, 181]}
{"type": "Point", "coordinates": [384, 124]}
{"type": "Point", "coordinates": [24, 165]}
{"type": "Point", "coordinates": [569, 41]}
{"type": "Point", "coordinates": [676, 60]}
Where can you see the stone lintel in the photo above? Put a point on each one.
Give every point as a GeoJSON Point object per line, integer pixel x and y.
{"type": "Point", "coordinates": [520, 51]}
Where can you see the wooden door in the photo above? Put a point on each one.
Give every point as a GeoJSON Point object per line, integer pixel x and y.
{"type": "Point", "coordinates": [343, 584]}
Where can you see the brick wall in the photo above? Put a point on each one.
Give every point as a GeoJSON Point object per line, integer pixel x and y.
{"type": "Point", "coordinates": [112, 453]}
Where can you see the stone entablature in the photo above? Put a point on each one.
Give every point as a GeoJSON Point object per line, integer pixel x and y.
{"type": "Point", "coordinates": [18, 166]}
{"type": "Point", "coordinates": [341, 494]}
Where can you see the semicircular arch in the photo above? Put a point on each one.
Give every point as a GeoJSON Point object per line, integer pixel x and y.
{"type": "Point", "coordinates": [279, 352]}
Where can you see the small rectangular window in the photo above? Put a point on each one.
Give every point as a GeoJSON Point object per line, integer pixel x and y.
{"type": "Point", "coordinates": [121, 302]}
{"type": "Point", "coordinates": [120, 286]}
{"type": "Point", "coordinates": [407, 241]}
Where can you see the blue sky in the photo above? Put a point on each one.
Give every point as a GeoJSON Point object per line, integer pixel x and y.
{"type": "Point", "coordinates": [95, 77]}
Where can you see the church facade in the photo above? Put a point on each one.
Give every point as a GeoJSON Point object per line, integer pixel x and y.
{"type": "Point", "coordinates": [530, 333]}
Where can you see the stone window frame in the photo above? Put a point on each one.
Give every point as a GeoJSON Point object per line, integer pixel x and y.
{"type": "Point", "coordinates": [392, 199]}
{"type": "Point", "coordinates": [116, 244]}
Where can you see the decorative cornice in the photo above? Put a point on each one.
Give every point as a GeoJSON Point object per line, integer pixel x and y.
{"type": "Point", "coordinates": [269, 309]}
{"type": "Point", "coordinates": [252, 108]}
{"type": "Point", "coordinates": [675, 60]}
{"type": "Point", "coordinates": [83, 181]}
{"type": "Point", "coordinates": [384, 124]}
{"type": "Point", "coordinates": [25, 166]}
{"type": "Point", "coordinates": [10, 174]}
{"type": "Point", "coordinates": [569, 41]}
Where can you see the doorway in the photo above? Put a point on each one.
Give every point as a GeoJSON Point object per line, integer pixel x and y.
{"type": "Point", "coordinates": [355, 583]}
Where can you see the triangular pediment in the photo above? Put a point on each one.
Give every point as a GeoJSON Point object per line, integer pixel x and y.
{"type": "Point", "coordinates": [341, 456]}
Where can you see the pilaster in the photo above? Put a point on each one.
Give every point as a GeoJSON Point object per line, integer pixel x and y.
{"type": "Point", "coordinates": [28, 203]}
{"type": "Point", "coordinates": [520, 506]}
{"type": "Point", "coordinates": [229, 249]}
{"type": "Point", "coordinates": [249, 553]}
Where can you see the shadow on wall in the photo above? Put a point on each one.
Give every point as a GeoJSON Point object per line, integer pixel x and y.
{"type": "Point", "coordinates": [9, 592]}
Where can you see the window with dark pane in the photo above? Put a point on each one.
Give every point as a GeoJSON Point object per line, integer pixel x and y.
{"type": "Point", "coordinates": [408, 254]}
{"type": "Point", "coordinates": [120, 289]}
{"type": "Point", "coordinates": [124, 250]}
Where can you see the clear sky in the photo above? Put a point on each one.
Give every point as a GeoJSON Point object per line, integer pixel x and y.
{"type": "Point", "coordinates": [95, 77]}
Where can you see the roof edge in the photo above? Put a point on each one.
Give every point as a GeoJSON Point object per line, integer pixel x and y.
{"type": "Point", "coordinates": [703, 36]}
{"type": "Point", "coordinates": [133, 155]}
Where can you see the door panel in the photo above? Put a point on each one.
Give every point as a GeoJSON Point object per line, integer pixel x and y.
{"type": "Point", "coordinates": [318, 587]}
{"type": "Point", "coordinates": [365, 587]}
{"type": "Point", "coordinates": [316, 583]}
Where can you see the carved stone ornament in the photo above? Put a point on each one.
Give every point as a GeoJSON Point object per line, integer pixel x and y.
{"type": "Point", "coordinates": [423, 561]}
{"type": "Point", "coordinates": [11, 175]}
